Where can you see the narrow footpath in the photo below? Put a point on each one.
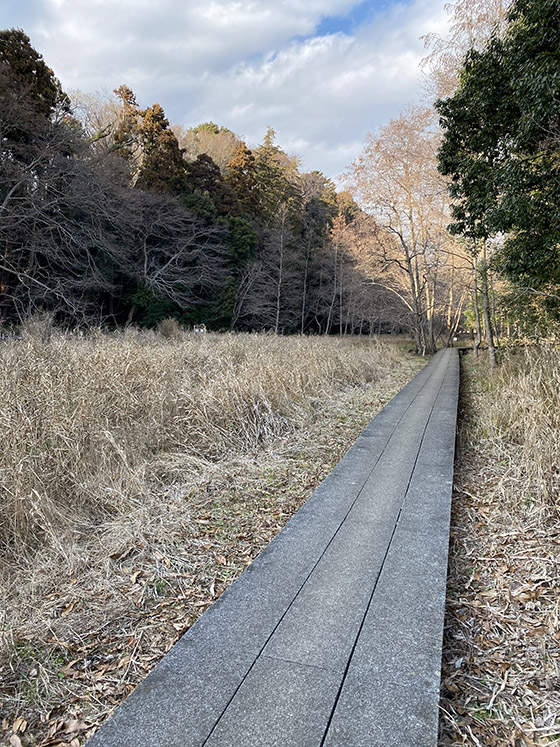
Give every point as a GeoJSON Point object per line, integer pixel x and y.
{"type": "Point", "coordinates": [332, 636]}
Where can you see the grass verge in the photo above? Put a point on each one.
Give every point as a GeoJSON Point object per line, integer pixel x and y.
{"type": "Point", "coordinates": [501, 667]}
{"type": "Point", "coordinates": [143, 474]}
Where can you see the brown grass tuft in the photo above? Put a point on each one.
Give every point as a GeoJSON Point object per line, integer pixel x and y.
{"type": "Point", "coordinates": [170, 329]}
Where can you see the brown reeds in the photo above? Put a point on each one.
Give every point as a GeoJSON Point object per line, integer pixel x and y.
{"type": "Point", "coordinates": [523, 425]}
{"type": "Point", "coordinates": [140, 473]}
{"type": "Point", "coordinates": [82, 417]}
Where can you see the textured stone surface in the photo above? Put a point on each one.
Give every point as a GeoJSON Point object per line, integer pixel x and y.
{"type": "Point", "coordinates": [390, 694]}
{"type": "Point", "coordinates": [333, 634]}
{"type": "Point", "coordinates": [281, 704]}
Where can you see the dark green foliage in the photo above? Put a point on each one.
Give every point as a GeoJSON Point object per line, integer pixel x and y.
{"type": "Point", "coordinates": [242, 241]}
{"type": "Point", "coordinates": [502, 144]}
{"type": "Point", "coordinates": [30, 74]}
{"type": "Point", "coordinates": [275, 177]}
{"type": "Point", "coordinates": [149, 306]}
{"type": "Point", "coordinates": [205, 177]}
{"type": "Point", "coordinates": [201, 204]}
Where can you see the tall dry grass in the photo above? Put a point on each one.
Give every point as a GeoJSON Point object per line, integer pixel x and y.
{"type": "Point", "coordinates": [140, 473]}
{"type": "Point", "coordinates": [500, 661]}
{"type": "Point", "coordinates": [83, 417]}
{"type": "Point", "coordinates": [521, 423]}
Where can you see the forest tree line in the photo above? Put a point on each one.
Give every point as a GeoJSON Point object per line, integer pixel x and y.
{"type": "Point", "coordinates": [110, 215]}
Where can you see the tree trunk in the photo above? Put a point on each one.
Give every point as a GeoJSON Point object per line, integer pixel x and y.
{"type": "Point", "coordinates": [430, 305]}
{"type": "Point", "coordinates": [304, 291]}
{"type": "Point", "coordinates": [340, 307]}
{"type": "Point", "coordinates": [486, 310]}
{"type": "Point", "coordinates": [131, 314]}
{"type": "Point", "coordinates": [333, 297]}
{"type": "Point", "coordinates": [476, 314]}
{"type": "Point", "coordinates": [280, 277]}
{"type": "Point", "coordinates": [493, 318]}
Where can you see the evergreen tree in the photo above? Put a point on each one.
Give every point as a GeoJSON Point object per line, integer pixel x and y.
{"type": "Point", "coordinates": [144, 138]}
{"type": "Point", "coordinates": [30, 74]}
{"type": "Point", "coordinates": [241, 177]}
{"type": "Point", "coordinates": [276, 178]}
{"type": "Point", "coordinates": [205, 177]}
{"type": "Point", "coordinates": [502, 142]}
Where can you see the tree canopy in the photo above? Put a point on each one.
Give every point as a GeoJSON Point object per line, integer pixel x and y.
{"type": "Point", "coordinates": [501, 145]}
{"type": "Point", "coordinates": [111, 215]}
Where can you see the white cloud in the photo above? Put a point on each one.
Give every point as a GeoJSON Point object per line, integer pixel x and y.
{"type": "Point", "coordinates": [323, 94]}
{"type": "Point", "coordinates": [242, 63]}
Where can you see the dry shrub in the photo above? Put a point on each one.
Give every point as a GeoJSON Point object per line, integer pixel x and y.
{"type": "Point", "coordinates": [82, 417]}
{"type": "Point", "coordinates": [38, 327]}
{"type": "Point", "coordinates": [170, 328]}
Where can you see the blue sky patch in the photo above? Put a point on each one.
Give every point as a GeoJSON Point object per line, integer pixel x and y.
{"type": "Point", "coordinates": [349, 22]}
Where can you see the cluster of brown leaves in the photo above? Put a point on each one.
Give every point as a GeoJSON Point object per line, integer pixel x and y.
{"type": "Point", "coordinates": [59, 733]}
{"type": "Point", "coordinates": [85, 636]}
{"type": "Point", "coordinates": [501, 665]}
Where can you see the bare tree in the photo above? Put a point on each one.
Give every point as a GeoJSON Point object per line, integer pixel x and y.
{"type": "Point", "coordinates": [75, 238]}
{"type": "Point", "coordinates": [318, 205]}
{"type": "Point", "coordinates": [217, 142]}
{"type": "Point", "coordinates": [273, 299]}
{"type": "Point", "coordinates": [397, 182]}
{"type": "Point", "coordinates": [472, 22]}
{"type": "Point", "coordinates": [173, 252]}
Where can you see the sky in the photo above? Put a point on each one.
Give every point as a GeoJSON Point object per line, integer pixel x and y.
{"type": "Point", "coordinates": [322, 73]}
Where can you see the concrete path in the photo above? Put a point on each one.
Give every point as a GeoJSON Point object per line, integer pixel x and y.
{"type": "Point", "coordinates": [332, 636]}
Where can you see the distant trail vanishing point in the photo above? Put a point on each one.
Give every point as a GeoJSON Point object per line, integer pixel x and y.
{"type": "Point", "coordinates": [332, 637]}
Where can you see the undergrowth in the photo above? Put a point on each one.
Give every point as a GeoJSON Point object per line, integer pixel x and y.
{"type": "Point", "coordinates": [501, 667]}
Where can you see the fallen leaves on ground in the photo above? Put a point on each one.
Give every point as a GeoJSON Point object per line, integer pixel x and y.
{"type": "Point", "coordinates": [501, 663]}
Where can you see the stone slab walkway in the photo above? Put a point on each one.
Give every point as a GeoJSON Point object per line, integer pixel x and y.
{"type": "Point", "coordinates": [332, 636]}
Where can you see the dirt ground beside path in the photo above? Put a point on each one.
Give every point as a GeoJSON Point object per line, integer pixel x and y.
{"type": "Point", "coordinates": [501, 664]}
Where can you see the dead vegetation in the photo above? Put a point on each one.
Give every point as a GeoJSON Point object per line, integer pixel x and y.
{"type": "Point", "coordinates": [140, 474]}
{"type": "Point", "coordinates": [501, 668]}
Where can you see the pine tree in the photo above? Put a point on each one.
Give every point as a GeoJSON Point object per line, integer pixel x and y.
{"type": "Point", "coordinates": [163, 168]}
{"type": "Point", "coordinates": [241, 176]}
{"type": "Point", "coordinates": [31, 74]}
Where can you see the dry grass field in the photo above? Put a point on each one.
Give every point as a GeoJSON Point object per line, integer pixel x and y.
{"type": "Point", "coordinates": [501, 668]}
{"type": "Point", "coordinates": [140, 473]}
